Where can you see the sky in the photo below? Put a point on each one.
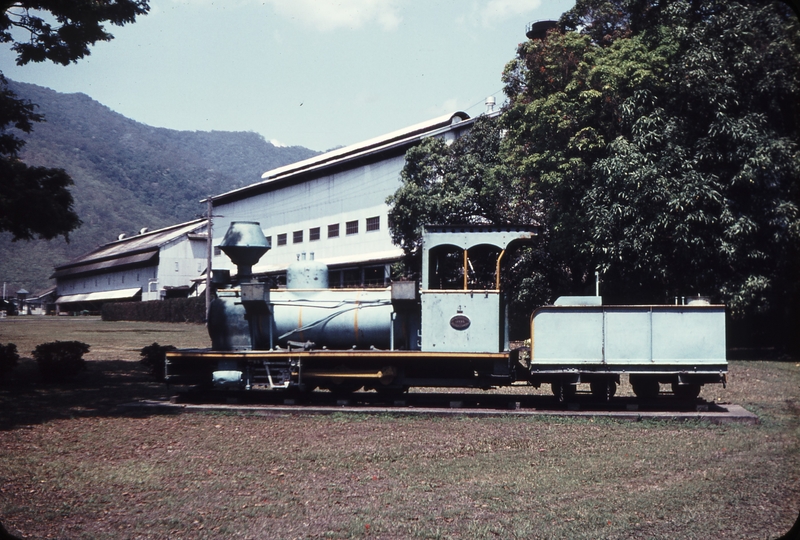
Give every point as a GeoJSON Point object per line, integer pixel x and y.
{"type": "Point", "coordinates": [312, 73]}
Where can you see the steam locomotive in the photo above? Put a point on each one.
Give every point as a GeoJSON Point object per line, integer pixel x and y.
{"type": "Point", "coordinates": [411, 334]}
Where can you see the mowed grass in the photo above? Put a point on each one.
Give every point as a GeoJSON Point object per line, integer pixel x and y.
{"type": "Point", "coordinates": [73, 464]}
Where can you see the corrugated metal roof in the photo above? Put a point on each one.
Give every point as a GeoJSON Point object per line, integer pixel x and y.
{"type": "Point", "coordinates": [396, 139]}
{"type": "Point", "coordinates": [120, 294]}
{"type": "Point", "coordinates": [144, 258]}
{"type": "Point", "coordinates": [137, 249]}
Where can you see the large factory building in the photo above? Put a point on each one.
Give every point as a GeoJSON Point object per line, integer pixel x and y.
{"type": "Point", "coordinates": [330, 208]}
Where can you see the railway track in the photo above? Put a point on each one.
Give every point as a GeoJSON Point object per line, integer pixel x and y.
{"type": "Point", "coordinates": [668, 408]}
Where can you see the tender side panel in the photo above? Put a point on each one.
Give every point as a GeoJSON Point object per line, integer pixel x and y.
{"type": "Point", "coordinates": [563, 336]}
{"type": "Point", "coordinates": [629, 337]}
{"type": "Point", "coordinates": [691, 336]}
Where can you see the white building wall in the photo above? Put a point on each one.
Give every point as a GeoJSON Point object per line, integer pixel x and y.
{"type": "Point", "coordinates": [180, 261]}
{"type": "Point", "coordinates": [352, 195]}
{"type": "Point", "coordinates": [107, 281]}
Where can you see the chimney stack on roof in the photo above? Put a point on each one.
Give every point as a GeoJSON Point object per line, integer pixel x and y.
{"type": "Point", "coordinates": [490, 102]}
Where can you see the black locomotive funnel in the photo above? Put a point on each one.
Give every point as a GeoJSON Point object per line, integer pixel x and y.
{"type": "Point", "coordinates": [244, 244]}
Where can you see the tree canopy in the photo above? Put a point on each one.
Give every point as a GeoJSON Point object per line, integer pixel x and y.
{"type": "Point", "coordinates": [36, 201]}
{"type": "Point", "coordinates": [657, 142]}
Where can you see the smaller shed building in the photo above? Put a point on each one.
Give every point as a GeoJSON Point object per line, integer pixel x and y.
{"type": "Point", "coordinates": [148, 266]}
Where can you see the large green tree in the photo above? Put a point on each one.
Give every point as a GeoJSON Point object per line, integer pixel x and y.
{"type": "Point", "coordinates": [657, 142]}
{"type": "Point", "coordinates": [36, 201]}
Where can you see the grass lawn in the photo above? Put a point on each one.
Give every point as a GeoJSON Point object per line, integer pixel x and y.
{"type": "Point", "coordinates": [73, 465]}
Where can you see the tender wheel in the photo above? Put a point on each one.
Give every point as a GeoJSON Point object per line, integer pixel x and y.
{"type": "Point", "coordinates": [603, 390]}
{"type": "Point", "coordinates": [563, 391]}
{"type": "Point", "coordinates": [686, 391]}
{"type": "Point", "coordinates": [645, 387]}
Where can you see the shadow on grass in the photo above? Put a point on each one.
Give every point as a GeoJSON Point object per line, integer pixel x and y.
{"type": "Point", "coordinates": [770, 354]}
{"type": "Point", "coordinates": [98, 391]}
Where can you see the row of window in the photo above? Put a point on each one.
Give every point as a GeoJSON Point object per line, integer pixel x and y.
{"type": "Point", "coordinates": [314, 233]}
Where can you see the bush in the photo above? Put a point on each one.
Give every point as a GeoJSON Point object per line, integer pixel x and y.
{"type": "Point", "coordinates": [60, 360]}
{"type": "Point", "coordinates": [8, 360]}
{"type": "Point", "coordinates": [178, 310]}
{"type": "Point", "coordinates": [154, 357]}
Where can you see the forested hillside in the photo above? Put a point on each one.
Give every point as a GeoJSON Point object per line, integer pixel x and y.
{"type": "Point", "coordinates": [127, 176]}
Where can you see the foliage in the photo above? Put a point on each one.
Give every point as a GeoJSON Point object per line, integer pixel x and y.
{"type": "Point", "coordinates": [80, 26]}
{"type": "Point", "coordinates": [35, 201]}
{"type": "Point", "coordinates": [567, 96]}
{"type": "Point", "coordinates": [8, 359]}
{"type": "Point", "coordinates": [60, 360]}
{"type": "Point", "coordinates": [658, 143]}
{"type": "Point", "coordinates": [698, 191]}
{"type": "Point", "coordinates": [9, 307]}
{"type": "Point", "coordinates": [154, 357]}
{"type": "Point", "coordinates": [192, 310]}
{"type": "Point", "coordinates": [448, 184]}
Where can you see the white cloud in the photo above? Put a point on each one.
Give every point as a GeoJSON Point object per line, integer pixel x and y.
{"type": "Point", "coordinates": [276, 143]}
{"type": "Point", "coordinates": [330, 15]}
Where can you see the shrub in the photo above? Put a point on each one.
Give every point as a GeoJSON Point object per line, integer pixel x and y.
{"type": "Point", "coordinates": [60, 360]}
{"type": "Point", "coordinates": [8, 360]}
{"type": "Point", "coordinates": [177, 310]}
{"type": "Point", "coordinates": [154, 357]}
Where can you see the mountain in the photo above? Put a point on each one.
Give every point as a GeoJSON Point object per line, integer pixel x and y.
{"type": "Point", "coordinates": [127, 176]}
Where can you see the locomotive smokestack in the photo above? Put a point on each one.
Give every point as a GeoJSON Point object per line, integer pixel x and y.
{"type": "Point", "coordinates": [244, 244]}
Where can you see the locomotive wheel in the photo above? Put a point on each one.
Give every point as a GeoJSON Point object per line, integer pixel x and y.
{"type": "Point", "coordinates": [645, 387]}
{"type": "Point", "coordinates": [603, 390]}
{"type": "Point", "coordinates": [686, 391]}
{"type": "Point", "coordinates": [563, 391]}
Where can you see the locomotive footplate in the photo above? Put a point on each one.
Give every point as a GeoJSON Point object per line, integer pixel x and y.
{"type": "Point", "coordinates": [337, 369]}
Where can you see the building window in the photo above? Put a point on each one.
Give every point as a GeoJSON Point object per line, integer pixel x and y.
{"type": "Point", "coordinates": [297, 237]}
{"type": "Point", "coordinates": [351, 227]}
{"type": "Point", "coordinates": [177, 266]}
{"type": "Point", "coordinates": [217, 251]}
{"type": "Point", "coordinates": [282, 239]}
{"type": "Point", "coordinates": [333, 230]}
{"type": "Point", "coordinates": [313, 234]}
{"type": "Point", "coordinates": [269, 241]}
{"type": "Point", "coordinates": [373, 223]}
